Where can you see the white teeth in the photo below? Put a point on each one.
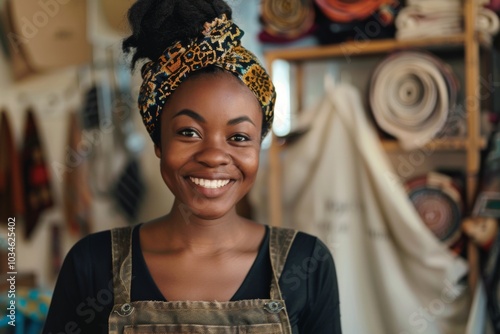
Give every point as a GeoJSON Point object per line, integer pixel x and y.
{"type": "Point", "coordinates": [212, 184]}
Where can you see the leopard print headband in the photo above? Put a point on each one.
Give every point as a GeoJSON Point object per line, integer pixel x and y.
{"type": "Point", "coordinates": [219, 45]}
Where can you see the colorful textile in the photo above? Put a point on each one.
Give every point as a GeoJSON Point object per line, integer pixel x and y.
{"type": "Point", "coordinates": [11, 194]}
{"type": "Point", "coordinates": [219, 45]}
{"type": "Point", "coordinates": [345, 11]}
{"type": "Point", "coordinates": [287, 19]}
{"type": "Point", "coordinates": [438, 200]}
{"type": "Point", "coordinates": [379, 25]}
{"type": "Point", "coordinates": [37, 188]}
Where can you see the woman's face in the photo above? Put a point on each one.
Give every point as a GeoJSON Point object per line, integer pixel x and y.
{"type": "Point", "coordinates": [210, 143]}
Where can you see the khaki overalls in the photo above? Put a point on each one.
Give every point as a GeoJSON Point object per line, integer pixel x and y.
{"type": "Point", "coordinates": [259, 316]}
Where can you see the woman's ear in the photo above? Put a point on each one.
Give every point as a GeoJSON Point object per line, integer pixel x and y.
{"type": "Point", "coordinates": [158, 150]}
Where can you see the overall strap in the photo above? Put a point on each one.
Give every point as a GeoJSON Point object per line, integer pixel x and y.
{"type": "Point", "coordinates": [121, 245]}
{"type": "Point", "coordinates": [280, 242]}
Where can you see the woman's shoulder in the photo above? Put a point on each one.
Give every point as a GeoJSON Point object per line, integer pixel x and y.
{"type": "Point", "coordinates": [304, 244]}
{"type": "Point", "coordinates": [90, 253]}
{"type": "Point", "coordinates": [308, 246]}
{"type": "Point", "coordinates": [92, 243]}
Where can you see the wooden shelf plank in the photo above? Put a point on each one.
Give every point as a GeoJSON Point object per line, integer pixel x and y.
{"type": "Point", "coordinates": [442, 144]}
{"type": "Point", "coordinates": [357, 48]}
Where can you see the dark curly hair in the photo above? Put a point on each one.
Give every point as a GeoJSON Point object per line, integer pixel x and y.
{"type": "Point", "coordinates": [156, 24]}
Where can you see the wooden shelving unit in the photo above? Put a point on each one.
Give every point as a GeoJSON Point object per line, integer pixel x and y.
{"type": "Point", "coordinates": [471, 146]}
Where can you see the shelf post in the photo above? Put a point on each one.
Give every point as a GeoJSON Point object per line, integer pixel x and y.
{"type": "Point", "coordinates": [472, 105]}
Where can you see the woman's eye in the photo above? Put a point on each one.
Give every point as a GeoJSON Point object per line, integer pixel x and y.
{"type": "Point", "coordinates": [189, 133]}
{"type": "Point", "coordinates": [239, 138]}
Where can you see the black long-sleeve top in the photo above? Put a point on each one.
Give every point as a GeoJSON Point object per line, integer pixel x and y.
{"type": "Point", "coordinates": [83, 295]}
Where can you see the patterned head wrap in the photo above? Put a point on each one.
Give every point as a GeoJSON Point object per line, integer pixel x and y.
{"type": "Point", "coordinates": [218, 45]}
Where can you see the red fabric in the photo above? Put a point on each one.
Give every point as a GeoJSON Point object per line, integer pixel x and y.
{"type": "Point", "coordinates": [39, 175]}
{"type": "Point", "coordinates": [344, 11]}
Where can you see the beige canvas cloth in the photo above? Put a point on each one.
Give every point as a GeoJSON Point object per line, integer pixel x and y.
{"type": "Point", "coordinates": [394, 275]}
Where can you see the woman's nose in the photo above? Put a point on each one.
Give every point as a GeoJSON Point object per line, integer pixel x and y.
{"type": "Point", "coordinates": [213, 156]}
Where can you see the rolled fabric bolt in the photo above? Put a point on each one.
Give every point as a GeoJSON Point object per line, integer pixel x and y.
{"type": "Point", "coordinates": [410, 97]}
{"type": "Point", "coordinates": [347, 11]}
{"type": "Point", "coordinates": [287, 19]}
{"type": "Point", "coordinates": [487, 21]}
{"type": "Point", "coordinates": [438, 201]}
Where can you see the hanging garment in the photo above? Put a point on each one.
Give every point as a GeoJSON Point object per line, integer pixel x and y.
{"type": "Point", "coordinates": [77, 196]}
{"type": "Point", "coordinates": [129, 190]}
{"type": "Point", "coordinates": [36, 178]}
{"type": "Point", "coordinates": [245, 316]}
{"type": "Point", "coordinates": [287, 19]}
{"type": "Point", "coordinates": [412, 95]}
{"type": "Point", "coordinates": [394, 275]}
{"type": "Point", "coordinates": [11, 188]}
{"type": "Point", "coordinates": [345, 11]}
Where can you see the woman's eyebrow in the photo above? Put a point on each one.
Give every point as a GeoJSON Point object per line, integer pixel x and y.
{"type": "Point", "coordinates": [194, 115]}
{"type": "Point", "coordinates": [239, 120]}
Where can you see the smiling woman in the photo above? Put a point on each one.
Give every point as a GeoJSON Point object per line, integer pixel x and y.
{"type": "Point", "coordinates": [201, 268]}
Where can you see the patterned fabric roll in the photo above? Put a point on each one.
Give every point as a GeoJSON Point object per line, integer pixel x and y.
{"type": "Point", "coordinates": [287, 19]}
{"type": "Point", "coordinates": [218, 45]}
{"type": "Point", "coordinates": [439, 203]}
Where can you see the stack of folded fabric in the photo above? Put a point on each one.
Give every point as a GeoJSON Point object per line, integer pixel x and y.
{"type": "Point", "coordinates": [429, 18]}
{"type": "Point", "coordinates": [412, 95]}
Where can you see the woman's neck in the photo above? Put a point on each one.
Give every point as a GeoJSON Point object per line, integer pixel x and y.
{"type": "Point", "coordinates": [181, 229]}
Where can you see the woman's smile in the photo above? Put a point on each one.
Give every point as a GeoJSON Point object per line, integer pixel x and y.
{"type": "Point", "coordinates": [209, 184]}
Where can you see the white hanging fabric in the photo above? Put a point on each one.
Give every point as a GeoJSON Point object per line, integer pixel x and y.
{"type": "Point", "coordinates": [394, 274]}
